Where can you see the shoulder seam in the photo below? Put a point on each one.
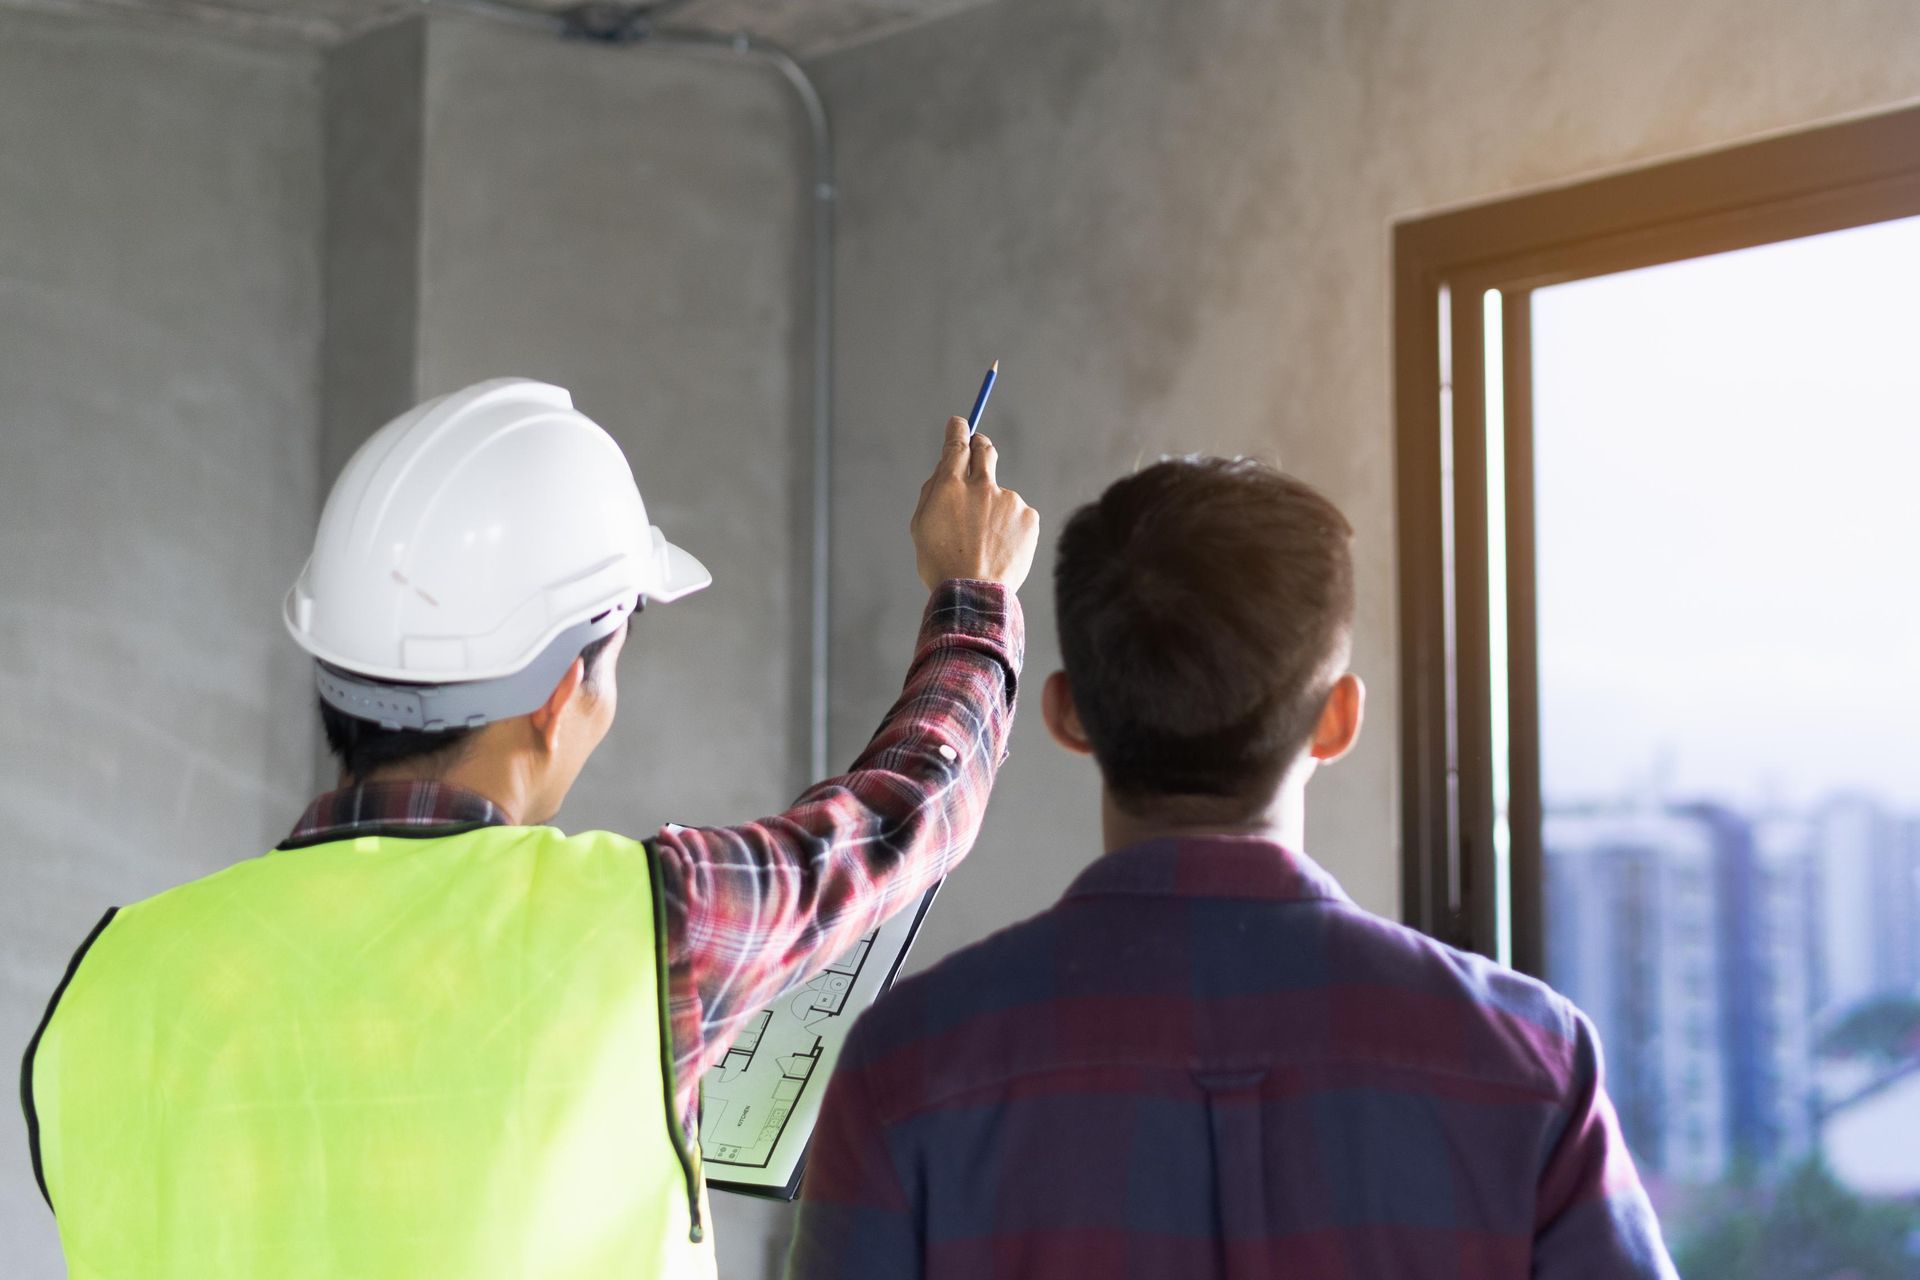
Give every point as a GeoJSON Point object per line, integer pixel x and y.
{"type": "Point", "coordinates": [382, 831]}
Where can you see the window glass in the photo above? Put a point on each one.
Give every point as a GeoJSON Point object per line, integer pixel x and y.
{"type": "Point", "coordinates": [1728, 548]}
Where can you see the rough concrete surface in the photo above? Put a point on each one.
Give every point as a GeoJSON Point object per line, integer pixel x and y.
{"type": "Point", "coordinates": [808, 27]}
{"type": "Point", "coordinates": [375, 127]}
{"type": "Point", "coordinates": [159, 301]}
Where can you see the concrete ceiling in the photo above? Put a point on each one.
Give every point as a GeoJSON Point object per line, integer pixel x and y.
{"type": "Point", "coordinates": [807, 27]}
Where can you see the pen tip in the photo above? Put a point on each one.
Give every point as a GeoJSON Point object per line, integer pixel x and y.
{"type": "Point", "coordinates": [996, 366]}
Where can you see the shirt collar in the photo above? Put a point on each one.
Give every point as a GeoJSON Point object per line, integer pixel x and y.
{"type": "Point", "coordinates": [372, 805]}
{"type": "Point", "coordinates": [1210, 867]}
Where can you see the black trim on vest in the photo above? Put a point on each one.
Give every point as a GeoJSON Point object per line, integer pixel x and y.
{"type": "Point", "coordinates": [676, 1128]}
{"type": "Point", "coordinates": [33, 1047]}
{"type": "Point", "coordinates": [383, 831]}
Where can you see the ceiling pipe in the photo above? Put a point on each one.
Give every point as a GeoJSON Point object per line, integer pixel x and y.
{"type": "Point", "coordinates": [630, 24]}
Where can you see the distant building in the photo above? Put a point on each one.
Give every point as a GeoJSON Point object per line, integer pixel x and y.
{"type": "Point", "coordinates": [1634, 942]}
{"type": "Point", "coordinates": [1685, 932]}
{"type": "Point", "coordinates": [1762, 879]}
{"type": "Point", "coordinates": [1868, 891]}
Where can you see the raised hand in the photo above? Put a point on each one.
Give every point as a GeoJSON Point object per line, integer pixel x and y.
{"type": "Point", "coordinates": [966, 525]}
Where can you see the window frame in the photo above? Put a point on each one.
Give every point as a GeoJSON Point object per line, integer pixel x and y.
{"type": "Point", "coordinates": [1829, 178]}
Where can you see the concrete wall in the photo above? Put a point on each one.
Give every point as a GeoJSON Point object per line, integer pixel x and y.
{"type": "Point", "coordinates": [1171, 223]}
{"type": "Point", "coordinates": [375, 127]}
{"type": "Point", "coordinates": [159, 301]}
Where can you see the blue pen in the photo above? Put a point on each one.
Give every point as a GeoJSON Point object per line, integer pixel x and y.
{"type": "Point", "coordinates": [980, 405]}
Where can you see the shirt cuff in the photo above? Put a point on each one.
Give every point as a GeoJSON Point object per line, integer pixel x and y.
{"type": "Point", "coordinates": [981, 615]}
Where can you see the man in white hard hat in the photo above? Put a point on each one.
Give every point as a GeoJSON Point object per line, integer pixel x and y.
{"type": "Point", "coordinates": [429, 1036]}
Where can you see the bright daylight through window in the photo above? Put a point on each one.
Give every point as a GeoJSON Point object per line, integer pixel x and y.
{"type": "Point", "coordinates": [1728, 550]}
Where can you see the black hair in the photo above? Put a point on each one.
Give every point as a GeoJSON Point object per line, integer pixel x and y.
{"type": "Point", "coordinates": [1203, 604]}
{"type": "Point", "coordinates": [363, 748]}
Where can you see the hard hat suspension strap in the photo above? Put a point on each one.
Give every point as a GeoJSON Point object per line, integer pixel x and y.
{"type": "Point", "coordinates": [433, 708]}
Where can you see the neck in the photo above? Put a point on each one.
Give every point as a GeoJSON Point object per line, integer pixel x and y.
{"type": "Point", "coordinates": [1283, 820]}
{"type": "Point", "coordinates": [500, 777]}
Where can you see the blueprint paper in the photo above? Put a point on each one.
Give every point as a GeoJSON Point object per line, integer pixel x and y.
{"type": "Point", "coordinates": [758, 1104]}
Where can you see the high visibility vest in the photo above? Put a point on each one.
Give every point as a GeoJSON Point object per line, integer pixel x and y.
{"type": "Point", "coordinates": [432, 1058]}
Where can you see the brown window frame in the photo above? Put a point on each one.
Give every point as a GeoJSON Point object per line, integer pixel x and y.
{"type": "Point", "coordinates": [1830, 178]}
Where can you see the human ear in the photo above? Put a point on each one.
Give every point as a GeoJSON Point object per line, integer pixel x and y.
{"type": "Point", "coordinates": [1062, 717]}
{"type": "Point", "coordinates": [1339, 725]}
{"type": "Point", "coordinates": [547, 717]}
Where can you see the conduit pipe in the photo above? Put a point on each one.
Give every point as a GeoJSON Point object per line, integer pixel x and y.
{"type": "Point", "coordinates": [634, 25]}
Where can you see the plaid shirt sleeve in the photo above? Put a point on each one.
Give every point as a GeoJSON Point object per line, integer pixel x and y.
{"type": "Point", "coordinates": [750, 909]}
{"type": "Point", "coordinates": [1593, 1220]}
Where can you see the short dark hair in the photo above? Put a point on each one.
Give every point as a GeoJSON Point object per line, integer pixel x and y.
{"type": "Point", "coordinates": [362, 747]}
{"type": "Point", "coordinates": [1204, 607]}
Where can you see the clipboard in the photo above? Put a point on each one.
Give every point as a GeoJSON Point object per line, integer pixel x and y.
{"type": "Point", "coordinates": [760, 1101]}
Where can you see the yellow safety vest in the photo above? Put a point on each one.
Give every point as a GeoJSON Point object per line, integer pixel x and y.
{"type": "Point", "coordinates": [416, 1058]}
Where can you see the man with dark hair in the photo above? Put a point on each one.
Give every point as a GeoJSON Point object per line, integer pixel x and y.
{"type": "Point", "coordinates": [430, 1035]}
{"type": "Point", "coordinates": [1205, 1060]}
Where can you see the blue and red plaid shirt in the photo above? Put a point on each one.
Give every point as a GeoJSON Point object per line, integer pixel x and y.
{"type": "Point", "coordinates": [1206, 1061]}
{"type": "Point", "coordinates": [754, 907]}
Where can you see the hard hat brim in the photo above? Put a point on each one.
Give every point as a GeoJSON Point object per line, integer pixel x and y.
{"type": "Point", "coordinates": [682, 575]}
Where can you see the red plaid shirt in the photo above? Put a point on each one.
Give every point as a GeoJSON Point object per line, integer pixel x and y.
{"type": "Point", "coordinates": [752, 908]}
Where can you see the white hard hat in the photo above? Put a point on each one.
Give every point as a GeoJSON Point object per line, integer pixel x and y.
{"type": "Point", "coordinates": [475, 542]}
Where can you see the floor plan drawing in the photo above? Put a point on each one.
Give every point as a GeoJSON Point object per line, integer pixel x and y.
{"type": "Point", "coordinates": [760, 1100]}
{"type": "Point", "coordinates": [825, 995]}
{"type": "Point", "coordinates": [740, 1054]}
{"type": "Point", "coordinates": [796, 1071]}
